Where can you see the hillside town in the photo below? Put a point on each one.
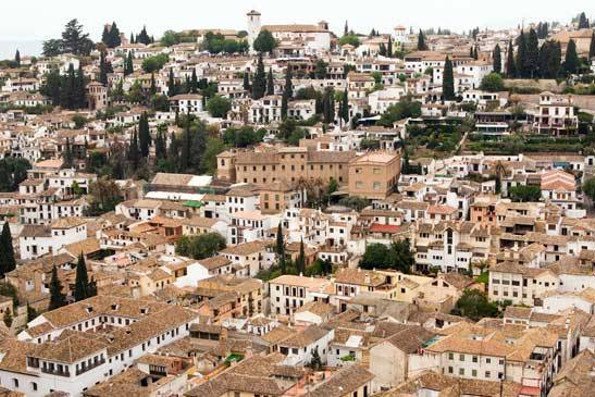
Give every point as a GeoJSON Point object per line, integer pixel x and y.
{"type": "Point", "coordinates": [288, 211]}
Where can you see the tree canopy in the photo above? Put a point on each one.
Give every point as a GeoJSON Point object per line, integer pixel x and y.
{"type": "Point", "coordinates": [201, 246]}
{"type": "Point", "coordinates": [265, 42]}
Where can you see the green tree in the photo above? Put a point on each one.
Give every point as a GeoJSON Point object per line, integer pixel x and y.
{"type": "Point", "coordinates": [521, 56]}
{"type": "Point", "coordinates": [57, 298]}
{"type": "Point", "coordinates": [170, 38]}
{"type": "Point", "coordinates": [300, 263]}
{"type": "Point", "coordinates": [320, 69]}
{"type": "Point", "coordinates": [532, 55]}
{"type": "Point", "coordinates": [7, 259]}
{"type": "Point", "coordinates": [31, 313]}
{"type": "Point", "coordinates": [328, 105]}
{"type": "Point", "coordinates": [571, 62]}
{"type": "Point", "coordinates": [492, 83]}
{"type": "Point", "coordinates": [280, 248]}
{"type": "Point", "coordinates": [474, 305]}
{"type": "Point", "coordinates": [511, 71]}
{"type": "Point", "coordinates": [448, 84]}
{"type": "Point", "coordinates": [403, 109]}
{"type": "Point", "coordinates": [111, 37]}
{"type": "Point", "coordinates": [104, 195]}
{"type": "Point", "coordinates": [421, 42]}
{"type": "Point", "coordinates": [316, 361]}
{"type": "Point", "coordinates": [128, 65]}
{"type": "Point", "coordinates": [265, 42]}
{"type": "Point", "coordinates": [287, 92]}
{"type": "Point", "coordinates": [155, 63]}
{"type": "Point", "coordinates": [144, 135]}
{"type": "Point", "coordinates": [259, 84]}
{"type": "Point", "coordinates": [592, 47]}
{"type": "Point", "coordinates": [81, 284]}
{"type": "Point", "coordinates": [583, 21]}
{"type": "Point", "coordinates": [345, 106]}
{"type": "Point", "coordinates": [219, 106]}
{"type": "Point", "coordinates": [270, 83]}
{"type": "Point", "coordinates": [172, 88]}
{"type": "Point", "coordinates": [350, 39]}
{"type": "Point", "coordinates": [52, 48]}
{"type": "Point", "coordinates": [497, 58]}
{"type": "Point", "coordinates": [201, 246]}
{"type": "Point", "coordinates": [17, 58]}
{"type": "Point", "coordinates": [8, 319]}
{"type": "Point", "coordinates": [143, 37]}
{"type": "Point", "coordinates": [105, 68]}
{"type": "Point", "coordinates": [524, 193]}
{"type": "Point", "coordinates": [74, 40]}
{"type": "Point", "coordinates": [589, 189]}
{"type": "Point", "coordinates": [246, 84]}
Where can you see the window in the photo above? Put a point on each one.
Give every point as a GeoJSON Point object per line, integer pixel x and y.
{"type": "Point", "coordinates": [462, 371]}
{"type": "Point", "coordinates": [474, 373]}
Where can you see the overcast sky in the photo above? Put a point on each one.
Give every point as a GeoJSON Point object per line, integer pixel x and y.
{"type": "Point", "coordinates": [41, 19]}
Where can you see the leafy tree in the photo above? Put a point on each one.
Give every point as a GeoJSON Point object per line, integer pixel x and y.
{"type": "Point", "coordinates": [155, 63]}
{"type": "Point", "coordinates": [511, 71]}
{"type": "Point", "coordinates": [81, 284]}
{"type": "Point", "coordinates": [260, 84]}
{"type": "Point", "coordinates": [219, 106]}
{"type": "Point", "coordinates": [13, 171]}
{"type": "Point", "coordinates": [403, 109]}
{"type": "Point", "coordinates": [242, 137]}
{"type": "Point", "coordinates": [571, 62]}
{"type": "Point", "coordinates": [316, 361]}
{"type": "Point", "coordinates": [350, 39]}
{"type": "Point", "coordinates": [170, 38]}
{"type": "Point", "coordinates": [448, 85]}
{"type": "Point", "coordinates": [7, 289]}
{"type": "Point", "coordinates": [104, 195]}
{"type": "Point", "coordinates": [201, 246]}
{"type": "Point", "coordinates": [474, 305]}
{"type": "Point", "coordinates": [52, 48]}
{"type": "Point", "coordinates": [57, 298]}
{"type": "Point", "coordinates": [320, 69]}
{"type": "Point", "coordinates": [492, 83]}
{"type": "Point", "coordinates": [524, 193]}
{"type": "Point", "coordinates": [265, 42]}
{"type": "Point", "coordinates": [497, 58]}
{"type": "Point", "coordinates": [74, 40]}
{"type": "Point", "coordinates": [421, 42]}
{"type": "Point", "coordinates": [398, 256]}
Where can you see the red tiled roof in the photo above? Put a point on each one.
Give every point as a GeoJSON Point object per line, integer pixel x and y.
{"type": "Point", "coordinates": [380, 228]}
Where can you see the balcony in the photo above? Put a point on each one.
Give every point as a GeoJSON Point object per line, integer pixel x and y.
{"type": "Point", "coordinates": [90, 367]}
{"type": "Point", "coordinates": [64, 373]}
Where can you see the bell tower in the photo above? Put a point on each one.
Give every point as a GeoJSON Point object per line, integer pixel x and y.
{"type": "Point", "coordinates": [253, 26]}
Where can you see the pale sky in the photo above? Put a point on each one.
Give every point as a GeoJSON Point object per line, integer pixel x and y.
{"type": "Point", "coordinates": [41, 19]}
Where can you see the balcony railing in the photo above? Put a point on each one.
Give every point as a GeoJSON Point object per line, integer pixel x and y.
{"type": "Point", "coordinates": [90, 367]}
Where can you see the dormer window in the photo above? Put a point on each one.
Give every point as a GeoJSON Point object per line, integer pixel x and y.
{"type": "Point", "coordinates": [89, 309]}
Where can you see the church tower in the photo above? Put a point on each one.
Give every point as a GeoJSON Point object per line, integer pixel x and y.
{"type": "Point", "coordinates": [253, 26]}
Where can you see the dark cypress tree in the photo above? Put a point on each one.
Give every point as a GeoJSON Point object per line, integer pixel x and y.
{"type": "Point", "coordinates": [105, 68]}
{"type": "Point", "coordinates": [105, 36]}
{"type": "Point", "coordinates": [532, 55]}
{"type": "Point", "coordinates": [80, 89]}
{"type": "Point", "coordinates": [300, 263]}
{"type": "Point", "coordinates": [583, 22]}
{"type": "Point", "coordinates": [571, 62]}
{"type": "Point", "coordinates": [475, 53]}
{"type": "Point", "coordinates": [113, 36]}
{"type": "Point", "coordinates": [328, 106]}
{"type": "Point", "coordinates": [521, 56]}
{"type": "Point", "coordinates": [143, 37]}
{"type": "Point", "coordinates": [194, 82]}
{"type": "Point", "coordinates": [133, 151]}
{"type": "Point", "coordinates": [270, 83]}
{"type": "Point", "coordinates": [67, 156]}
{"type": "Point", "coordinates": [260, 84]}
{"type": "Point", "coordinates": [31, 313]}
{"type": "Point", "coordinates": [592, 47]}
{"type": "Point", "coordinates": [389, 47]}
{"type": "Point", "coordinates": [68, 89]}
{"type": "Point", "coordinates": [7, 260]}
{"type": "Point", "coordinates": [497, 59]}
{"type": "Point", "coordinates": [81, 284]}
{"type": "Point", "coordinates": [153, 89]}
{"type": "Point", "coordinates": [160, 146]}
{"type": "Point", "coordinates": [128, 65]}
{"type": "Point", "coordinates": [345, 106]}
{"type": "Point", "coordinates": [511, 71]}
{"type": "Point", "coordinates": [346, 29]}
{"type": "Point", "coordinates": [287, 92]}
{"type": "Point", "coordinates": [17, 58]}
{"type": "Point", "coordinates": [247, 86]}
{"type": "Point", "coordinates": [471, 52]}
{"type": "Point", "coordinates": [57, 298]}
{"type": "Point", "coordinates": [171, 84]}
{"type": "Point", "coordinates": [421, 42]}
{"type": "Point", "coordinates": [185, 149]}
{"type": "Point", "coordinates": [448, 82]}
{"type": "Point", "coordinates": [549, 59]}
{"type": "Point", "coordinates": [131, 40]}
{"type": "Point", "coordinates": [144, 135]}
